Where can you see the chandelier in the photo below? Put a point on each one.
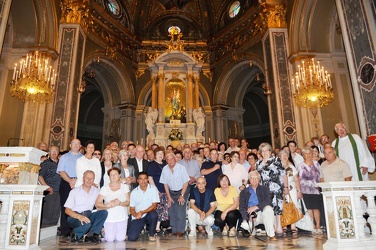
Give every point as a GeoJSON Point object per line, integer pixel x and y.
{"type": "Point", "coordinates": [312, 87]}
{"type": "Point", "coordinates": [34, 79]}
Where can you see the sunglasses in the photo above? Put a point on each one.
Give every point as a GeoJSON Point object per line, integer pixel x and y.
{"type": "Point", "coordinates": [97, 154]}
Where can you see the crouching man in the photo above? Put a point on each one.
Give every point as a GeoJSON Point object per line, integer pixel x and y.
{"type": "Point", "coordinates": [143, 203]}
{"type": "Point", "coordinates": [203, 204]}
{"type": "Point", "coordinates": [79, 208]}
{"type": "Point", "coordinates": [255, 206]}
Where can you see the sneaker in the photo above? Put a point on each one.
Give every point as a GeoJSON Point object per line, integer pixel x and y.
{"type": "Point", "coordinates": [152, 238]}
{"type": "Point", "coordinates": [210, 233]}
{"type": "Point", "coordinates": [192, 234]}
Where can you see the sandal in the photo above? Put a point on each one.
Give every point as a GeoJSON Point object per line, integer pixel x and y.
{"type": "Point", "coordinates": [279, 235]}
{"type": "Point", "coordinates": [284, 232]}
{"type": "Point", "coordinates": [294, 233]}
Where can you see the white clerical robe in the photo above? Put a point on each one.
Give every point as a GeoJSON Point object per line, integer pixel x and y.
{"type": "Point", "coordinates": [346, 153]}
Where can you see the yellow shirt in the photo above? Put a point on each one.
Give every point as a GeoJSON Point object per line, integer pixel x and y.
{"type": "Point", "coordinates": [225, 201]}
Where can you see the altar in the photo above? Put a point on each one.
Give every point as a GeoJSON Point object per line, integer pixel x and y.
{"type": "Point", "coordinates": [175, 103]}
{"type": "Point", "coordinates": [21, 198]}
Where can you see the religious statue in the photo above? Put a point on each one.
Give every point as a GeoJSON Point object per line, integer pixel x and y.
{"type": "Point", "coordinates": [199, 117]}
{"type": "Point", "coordinates": [150, 119]}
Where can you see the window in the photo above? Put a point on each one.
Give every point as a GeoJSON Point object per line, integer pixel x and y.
{"type": "Point", "coordinates": [114, 7]}
{"type": "Point", "coordinates": [174, 29]}
{"type": "Point", "coordinates": [234, 9]}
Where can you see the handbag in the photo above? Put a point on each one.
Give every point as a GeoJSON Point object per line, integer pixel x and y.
{"type": "Point", "coordinates": [305, 223]}
{"type": "Point", "coordinates": [290, 213]}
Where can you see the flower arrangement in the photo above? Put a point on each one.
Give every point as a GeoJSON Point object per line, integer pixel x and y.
{"type": "Point", "coordinates": [175, 135]}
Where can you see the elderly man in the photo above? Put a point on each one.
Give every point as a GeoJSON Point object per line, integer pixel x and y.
{"type": "Point", "coordinates": [79, 206]}
{"type": "Point", "coordinates": [232, 145]}
{"type": "Point", "coordinates": [243, 159]}
{"type": "Point", "coordinates": [67, 171]}
{"type": "Point", "coordinates": [192, 167]}
{"type": "Point", "coordinates": [143, 203]}
{"type": "Point", "coordinates": [175, 178]}
{"type": "Point", "coordinates": [353, 150]}
{"type": "Point", "coordinates": [334, 169]}
{"type": "Point", "coordinates": [138, 162]}
{"type": "Point", "coordinates": [255, 206]}
{"type": "Point", "coordinates": [49, 177]}
{"type": "Point", "coordinates": [203, 204]}
{"type": "Point", "coordinates": [211, 170]}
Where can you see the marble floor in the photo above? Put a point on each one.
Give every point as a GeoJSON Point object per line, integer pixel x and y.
{"type": "Point", "coordinates": [304, 241]}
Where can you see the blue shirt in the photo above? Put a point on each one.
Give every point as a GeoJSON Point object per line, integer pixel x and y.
{"type": "Point", "coordinates": [192, 167]}
{"type": "Point", "coordinates": [67, 163]}
{"type": "Point", "coordinates": [79, 200]}
{"type": "Point", "coordinates": [176, 180]}
{"type": "Point", "coordinates": [141, 200]}
{"type": "Point", "coordinates": [253, 200]}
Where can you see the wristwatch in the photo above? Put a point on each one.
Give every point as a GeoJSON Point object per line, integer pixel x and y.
{"type": "Point", "coordinates": [181, 194]}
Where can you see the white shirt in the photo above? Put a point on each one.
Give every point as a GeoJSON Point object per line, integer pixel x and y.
{"type": "Point", "coordinates": [236, 175]}
{"type": "Point", "coordinates": [118, 213]}
{"type": "Point", "coordinates": [229, 149]}
{"type": "Point", "coordinates": [346, 153]}
{"type": "Point", "coordinates": [84, 164]}
{"type": "Point", "coordinates": [139, 163]}
{"type": "Point", "coordinates": [298, 159]}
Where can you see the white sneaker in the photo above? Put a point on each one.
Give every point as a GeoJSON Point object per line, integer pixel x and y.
{"type": "Point", "coordinates": [245, 225]}
{"type": "Point", "coordinates": [210, 232]}
{"type": "Point", "coordinates": [192, 234]}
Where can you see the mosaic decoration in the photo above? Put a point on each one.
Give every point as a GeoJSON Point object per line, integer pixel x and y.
{"type": "Point", "coordinates": [345, 217]}
{"type": "Point", "coordinates": [18, 227]}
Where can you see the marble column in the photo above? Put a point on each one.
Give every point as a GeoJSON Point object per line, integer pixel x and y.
{"type": "Point", "coordinates": [154, 92]}
{"type": "Point", "coordinates": [275, 44]}
{"type": "Point", "coordinates": [161, 97]}
{"type": "Point", "coordinates": [197, 92]}
{"type": "Point", "coordinates": [4, 14]}
{"type": "Point", "coordinates": [127, 117]}
{"type": "Point", "coordinates": [219, 123]}
{"type": "Point", "coordinates": [358, 22]}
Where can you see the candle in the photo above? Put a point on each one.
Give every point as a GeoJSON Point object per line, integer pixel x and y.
{"type": "Point", "coordinates": [209, 139]}
{"type": "Point", "coordinates": [14, 72]}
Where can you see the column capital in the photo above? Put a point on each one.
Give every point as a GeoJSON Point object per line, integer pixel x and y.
{"type": "Point", "coordinates": [73, 11]}
{"type": "Point", "coordinates": [274, 15]}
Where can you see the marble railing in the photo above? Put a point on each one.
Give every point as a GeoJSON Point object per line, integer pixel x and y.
{"type": "Point", "coordinates": [345, 204]}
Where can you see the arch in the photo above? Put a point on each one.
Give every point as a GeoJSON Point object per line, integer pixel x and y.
{"type": "Point", "coordinates": [114, 80]}
{"type": "Point", "coordinates": [222, 89]}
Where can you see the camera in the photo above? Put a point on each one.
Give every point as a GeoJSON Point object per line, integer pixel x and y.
{"type": "Point", "coordinates": [253, 214]}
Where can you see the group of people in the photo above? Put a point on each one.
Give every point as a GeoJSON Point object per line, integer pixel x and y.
{"type": "Point", "coordinates": [210, 184]}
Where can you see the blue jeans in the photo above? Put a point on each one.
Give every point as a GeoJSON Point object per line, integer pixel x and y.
{"type": "Point", "coordinates": [97, 220]}
{"type": "Point", "coordinates": [135, 226]}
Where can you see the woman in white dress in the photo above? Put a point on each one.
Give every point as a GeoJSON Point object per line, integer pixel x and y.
{"type": "Point", "coordinates": [115, 199]}
{"type": "Point", "coordinates": [236, 172]}
{"type": "Point", "coordinates": [293, 186]}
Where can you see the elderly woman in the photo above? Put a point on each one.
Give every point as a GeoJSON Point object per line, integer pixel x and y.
{"type": "Point", "coordinates": [235, 171]}
{"type": "Point", "coordinates": [293, 185]}
{"type": "Point", "coordinates": [114, 198]}
{"type": "Point", "coordinates": [127, 175]}
{"type": "Point", "coordinates": [273, 175]}
{"type": "Point", "coordinates": [154, 172]}
{"type": "Point", "coordinates": [309, 175]}
{"type": "Point", "coordinates": [227, 206]}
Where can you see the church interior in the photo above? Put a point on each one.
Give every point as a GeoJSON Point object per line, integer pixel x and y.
{"type": "Point", "coordinates": [137, 70]}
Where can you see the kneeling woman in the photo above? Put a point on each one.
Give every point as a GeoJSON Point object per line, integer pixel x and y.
{"type": "Point", "coordinates": [227, 203]}
{"type": "Point", "coordinates": [115, 199]}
